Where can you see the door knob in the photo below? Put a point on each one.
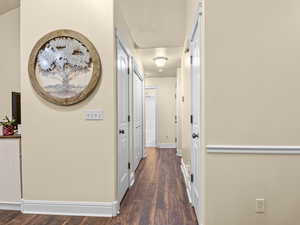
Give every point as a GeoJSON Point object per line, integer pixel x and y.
{"type": "Point", "coordinates": [121, 131]}
{"type": "Point", "coordinates": [194, 136]}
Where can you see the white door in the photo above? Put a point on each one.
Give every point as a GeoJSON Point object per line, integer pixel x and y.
{"type": "Point", "coordinates": [150, 113]}
{"type": "Point", "coordinates": [123, 123]}
{"type": "Point", "coordinates": [195, 117]}
{"type": "Point", "coordinates": [138, 102]}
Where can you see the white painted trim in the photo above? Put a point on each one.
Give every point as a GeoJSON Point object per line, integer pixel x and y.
{"type": "Point", "coordinates": [151, 146]}
{"type": "Point", "coordinates": [132, 179]}
{"type": "Point", "coordinates": [253, 149]}
{"type": "Point", "coordinates": [120, 39]}
{"type": "Point", "coordinates": [151, 87]}
{"type": "Point", "coordinates": [95, 209]}
{"type": "Point", "coordinates": [187, 181]}
{"type": "Point", "coordinates": [16, 206]}
{"type": "Point", "coordinates": [167, 145]}
{"type": "Point", "coordinates": [179, 152]}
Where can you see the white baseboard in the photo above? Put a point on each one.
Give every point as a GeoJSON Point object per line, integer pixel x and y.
{"type": "Point", "coordinates": [132, 179]}
{"type": "Point", "coordinates": [167, 145]}
{"type": "Point", "coordinates": [187, 181]}
{"type": "Point", "coordinates": [95, 209]}
{"type": "Point", "coordinates": [15, 206]}
{"type": "Point", "coordinates": [150, 146]}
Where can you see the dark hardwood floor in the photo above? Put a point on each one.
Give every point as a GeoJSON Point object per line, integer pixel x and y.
{"type": "Point", "coordinates": [158, 197]}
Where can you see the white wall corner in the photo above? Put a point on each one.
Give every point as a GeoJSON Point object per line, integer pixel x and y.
{"type": "Point", "coordinates": [15, 206]}
{"type": "Point", "coordinates": [95, 209]}
{"type": "Point", "coordinates": [167, 145]}
{"type": "Point", "coordinates": [187, 181]}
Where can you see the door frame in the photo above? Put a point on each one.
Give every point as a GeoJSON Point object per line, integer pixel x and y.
{"type": "Point", "coordinates": [199, 23]}
{"type": "Point", "coordinates": [156, 114]}
{"type": "Point", "coordinates": [119, 42]}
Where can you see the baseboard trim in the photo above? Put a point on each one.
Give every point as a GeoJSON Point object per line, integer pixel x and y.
{"type": "Point", "coordinates": [253, 149]}
{"type": "Point", "coordinates": [151, 146]}
{"type": "Point", "coordinates": [187, 181]}
{"type": "Point", "coordinates": [15, 206]}
{"type": "Point", "coordinates": [95, 209]}
{"type": "Point", "coordinates": [167, 145]}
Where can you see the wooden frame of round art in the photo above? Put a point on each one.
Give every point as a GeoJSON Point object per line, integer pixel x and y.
{"type": "Point", "coordinates": [96, 74]}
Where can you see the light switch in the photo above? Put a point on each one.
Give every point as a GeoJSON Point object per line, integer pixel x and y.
{"type": "Point", "coordinates": [260, 205]}
{"type": "Point", "coordinates": [94, 115]}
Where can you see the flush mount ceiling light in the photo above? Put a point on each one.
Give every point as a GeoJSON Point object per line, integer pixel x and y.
{"type": "Point", "coordinates": [160, 61]}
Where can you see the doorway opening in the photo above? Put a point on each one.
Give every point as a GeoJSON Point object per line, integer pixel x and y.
{"type": "Point", "coordinates": [159, 99]}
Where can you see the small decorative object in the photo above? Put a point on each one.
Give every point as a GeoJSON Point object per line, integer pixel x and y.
{"type": "Point", "coordinates": [8, 126]}
{"type": "Point", "coordinates": [64, 67]}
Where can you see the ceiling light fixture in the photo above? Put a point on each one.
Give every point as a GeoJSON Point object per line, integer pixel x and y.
{"type": "Point", "coordinates": [160, 61]}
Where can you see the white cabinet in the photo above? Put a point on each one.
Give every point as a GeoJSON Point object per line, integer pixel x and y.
{"type": "Point", "coordinates": [10, 172]}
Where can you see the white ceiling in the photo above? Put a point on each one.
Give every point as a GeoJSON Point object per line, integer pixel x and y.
{"type": "Point", "coordinates": [156, 24]}
{"type": "Point", "coordinates": [7, 5]}
{"type": "Point", "coordinates": [173, 54]}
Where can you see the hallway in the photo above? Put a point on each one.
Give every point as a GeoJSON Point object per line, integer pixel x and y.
{"type": "Point", "coordinates": [157, 198]}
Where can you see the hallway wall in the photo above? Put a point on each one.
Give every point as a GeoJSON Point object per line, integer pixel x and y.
{"type": "Point", "coordinates": [10, 59]}
{"type": "Point", "coordinates": [252, 95]}
{"type": "Point", "coordinates": [166, 104]}
{"type": "Point", "coordinates": [65, 157]}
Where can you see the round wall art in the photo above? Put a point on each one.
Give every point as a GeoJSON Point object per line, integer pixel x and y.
{"type": "Point", "coordinates": [64, 67]}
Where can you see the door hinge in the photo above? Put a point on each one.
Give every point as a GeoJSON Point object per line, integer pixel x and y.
{"type": "Point", "coordinates": [129, 166]}
{"type": "Point", "coordinates": [128, 118]}
{"type": "Point", "coordinates": [128, 71]}
{"type": "Point", "coordinates": [191, 59]}
{"type": "Point", "coordinates": [192, 119]}
{"type": "Point", "coordinates": [192, 178]}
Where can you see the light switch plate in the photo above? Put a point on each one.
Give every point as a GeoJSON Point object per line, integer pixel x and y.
{"type": "Point", "coordinates": [94, 115]}
{"type": "Point", "coordinates": [260, 205]}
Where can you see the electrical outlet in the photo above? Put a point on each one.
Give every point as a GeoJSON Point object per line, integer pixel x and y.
{"type": "Point", "coordinates": [260, 205]}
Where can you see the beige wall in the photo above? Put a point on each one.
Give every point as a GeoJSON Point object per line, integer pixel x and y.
{"type": "Point", "coordinates": [252, 95]}
{"type": "Point", "coordinates": [66, 158]}
{"type": "Point", "coordinates": [166, 104]}
{"type": "Point", "coordinates": [10, 59]}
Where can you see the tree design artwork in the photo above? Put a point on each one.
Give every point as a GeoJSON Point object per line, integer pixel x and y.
{"type": "Point", "coordinates": [60, 63]}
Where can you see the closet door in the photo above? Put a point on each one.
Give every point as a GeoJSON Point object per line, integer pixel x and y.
{"type": "Point", "coordinates": [138, 102]}
{"type": "Point", "coordinates": [123, 123]}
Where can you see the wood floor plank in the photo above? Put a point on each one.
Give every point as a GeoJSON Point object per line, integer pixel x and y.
{"type": "Point", "coordinates": [158, 197]}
